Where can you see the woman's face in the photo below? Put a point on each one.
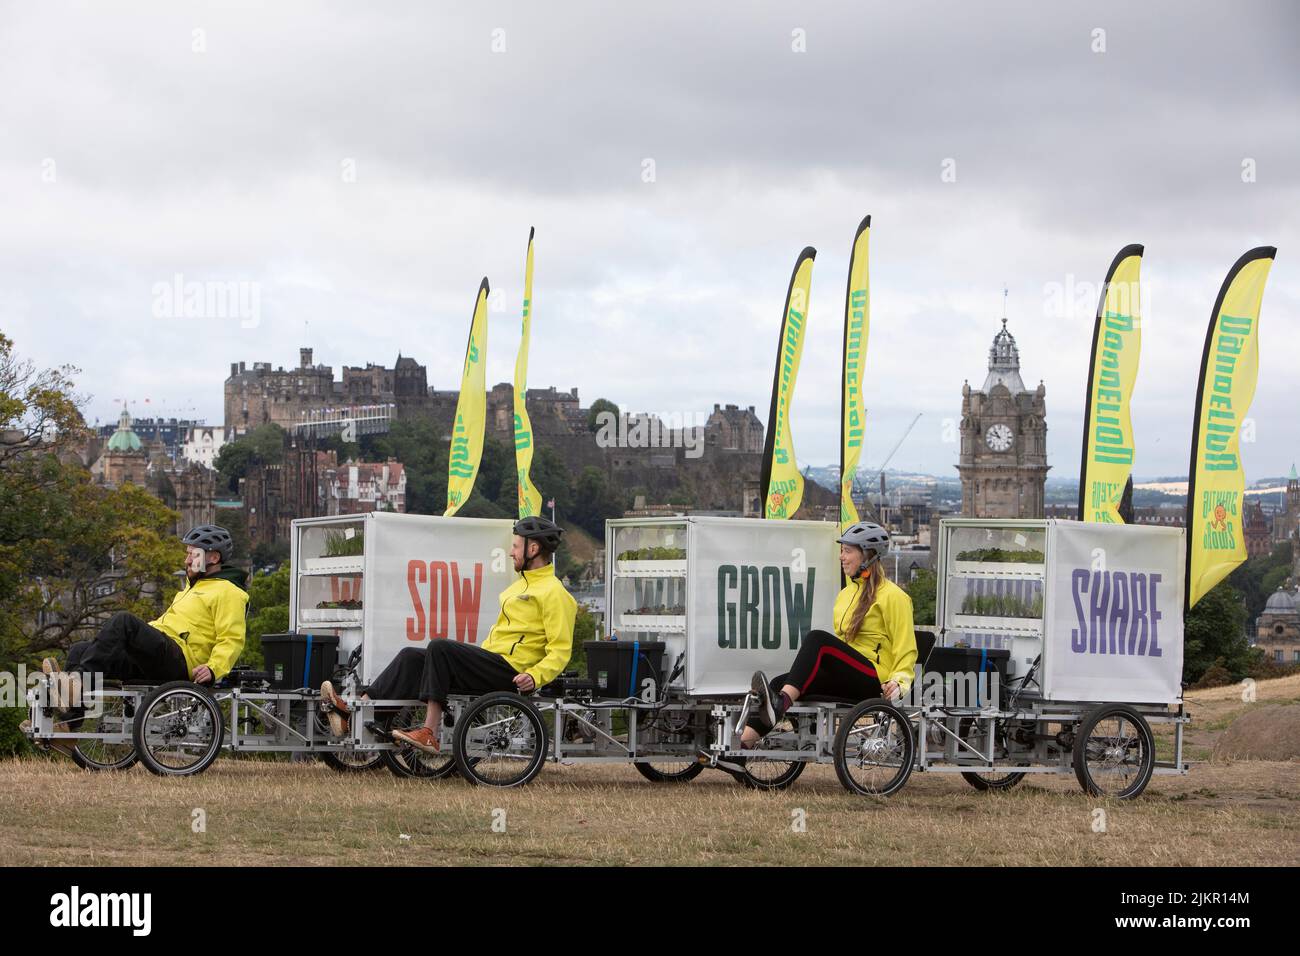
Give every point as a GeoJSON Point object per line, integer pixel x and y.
{"type": "Point", "coordinates": [850, 559]}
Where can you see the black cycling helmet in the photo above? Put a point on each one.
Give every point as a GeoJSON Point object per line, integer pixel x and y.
{"type": "Point", "coordinates": [871, 538]}
{"type": "Point", "coordinates": [537, 528]}
{"type": "Point", "coordinates": [210, 537]}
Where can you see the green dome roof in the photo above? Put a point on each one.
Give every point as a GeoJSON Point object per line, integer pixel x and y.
{"type": "Point", "coordinates": [124, 439]}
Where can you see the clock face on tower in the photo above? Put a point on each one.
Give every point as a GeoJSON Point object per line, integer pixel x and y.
{"type": "Point", "coordinates": [999, 437]}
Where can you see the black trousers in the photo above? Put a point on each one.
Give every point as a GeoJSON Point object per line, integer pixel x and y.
{"type": "Point", "coordinates": [440, 668]}
{"type": "Point", "coordinates": [827, 667]}
{"type": "Point", "coordinates": [128, 649]}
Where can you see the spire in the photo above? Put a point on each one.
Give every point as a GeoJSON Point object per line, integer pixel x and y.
{"type": "Point", "coordinates": [1004, 362]}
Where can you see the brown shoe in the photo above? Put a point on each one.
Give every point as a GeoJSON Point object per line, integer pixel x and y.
{"type": "Point", "coordinates": [338, 711]}
{"type": "Point", "coordinates": [65, 747]}
{"type": "Point", "coordinates": [65, 690]}
{"type": "Point", "coordinates": [421, 738]}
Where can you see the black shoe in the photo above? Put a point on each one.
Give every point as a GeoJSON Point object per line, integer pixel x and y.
{"type": "Point", "coordinates": [763, 718]}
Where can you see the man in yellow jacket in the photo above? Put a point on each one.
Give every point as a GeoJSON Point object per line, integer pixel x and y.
{"type": "Point", "coordinates": [200, 635]}
{"type": "Point", "coordinates": [526, 649]}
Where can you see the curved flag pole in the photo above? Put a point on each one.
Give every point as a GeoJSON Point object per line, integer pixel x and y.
{"type": "Point", "coordinates": [1106, 463]}
{"type": "Point", "coordinates": [782, 484]}
{"type": "Point", "coordinates": [471, 410]}
{"type": "Point", "coordinates": [1216, 481]}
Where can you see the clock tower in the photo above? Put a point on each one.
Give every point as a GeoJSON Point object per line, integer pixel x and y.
{"type": "Point", "coordinates": [1003, 463]}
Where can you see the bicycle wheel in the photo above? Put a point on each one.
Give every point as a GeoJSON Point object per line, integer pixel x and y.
{"type": "Point", "coordinates": [1114, 752]}
{"type": "Point", "coordinates": [970, 731]}
{"type": "Point", "coordinates": [501, 741]}
{"type": "Point", "coordinates": [665, 771]}
{"type": "Point", "coordinates": [762, 773]}
{"type": "Point", "coordinates": [97, 754]}
{"type": "Point", "coordinates": [179, 730]}
{"type": "Point", "coordinates": [407, 761]}
{"type": "Point", "coordinates": [352, 761]}
{"type": "Point", "coordinates": [874, 749]}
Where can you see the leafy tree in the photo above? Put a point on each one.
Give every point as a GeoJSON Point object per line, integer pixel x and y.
{"type": "Point", "coordinates": [593, 413]}
{"type": "Point", "coordinates": [264, 445]}
{"type": "Point", "coordinates": [418, 444]}
{"type": "Point", "coordinates": [550, 476]}
{"type": "Point", "coordinates": [1257, 578]}
{"type": "Point", "coordinates": [268, 610]}
{"type": "Point", "coordinates": [595, 500]}
{"type": "Point", "coordinates": [1213, 631]}
{"type": "Point", "coordinates": [71, 552]}
{"type": "Point", "coordinates": [584, 629]}
{"type": "Point", "coordinates": [921, 589]}
{"type": "Point", "coordinates": [37, 407]}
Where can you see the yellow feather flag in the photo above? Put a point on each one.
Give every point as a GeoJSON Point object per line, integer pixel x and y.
{"type": "Point", "coordinates": [1107, 424]}
{"type": "Point", "coordinates": [530, 501]}
{"type": "Point", "coordinates": [471, 410]}
{"type": "Point", "coordinates": [782, 483]}
{"type": "Point", "coordinates": [853, 414]}
{"type": "Point", "coordinates": [1216, 483]}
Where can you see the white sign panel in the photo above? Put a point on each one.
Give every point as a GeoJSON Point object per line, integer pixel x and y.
{"type": "Point", "coordinates": [1115, 614]}
{"type": "Point", "coordinates": [756, 588]}
{"type": "Point", "coordinates": [430, 578]}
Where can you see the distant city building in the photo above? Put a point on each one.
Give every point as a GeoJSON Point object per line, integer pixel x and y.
{"type": "Point", "coordinates": [1003, 463]}
{"type": "Point", "coordinates": [202, 444]}
{"type": "Point", "coordinates": [1256, 529]}
{"type": "Point", "coordinates": [124, 459]}
{"type": "Point", "coordinates": [1286, 525]}
{"type": "Point", "coordinates": [359, 487]}
{"type": "Point", "coordinates": [170, 432]}
{"type": "Point", "coordinates": [310, 483]}
{"type": "Point", "coordinates": [186, 487]}
{"type": "Point", "coordinates": [1277, 629]}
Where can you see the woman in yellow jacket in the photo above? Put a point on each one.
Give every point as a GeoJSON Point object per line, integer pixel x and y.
{"type": "Point", "coordinates": [872, 652]}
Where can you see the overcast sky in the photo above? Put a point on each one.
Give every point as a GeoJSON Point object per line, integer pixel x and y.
{"type": "Point", "coordinates": [362, 166]}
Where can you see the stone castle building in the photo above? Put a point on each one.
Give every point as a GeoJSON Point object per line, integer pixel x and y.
{"type": "Point", "coordinates": [1003, 464]}
{"type": "Point", "coordinates": [732, 436]}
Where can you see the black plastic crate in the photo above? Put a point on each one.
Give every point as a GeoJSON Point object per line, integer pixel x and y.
{"type": "Point", "coordinates": [617, 668]}
{"type": "Point", "coordinates": [960, 661]}
{"type": "Point", "coordinates": [300, 660]}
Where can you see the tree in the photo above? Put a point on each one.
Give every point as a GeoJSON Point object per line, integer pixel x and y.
{"type": "Point", "coordinates": [37, 407]}
{"type": "Point", "coordinates": [1213, 631]}
{"type": "Point", "coordinates": [264, 445]}
{"type": "Point", "coordinates": [922, 590]}
{"type": "Point", "coordinates": [1257, 578]}
{"type": "Point", "coordinates": [594, 413]}
{"type": "Point", "coordinates": [71, 552]}
{"type": "Point", "coordinates": [594, 500]}
{"type": "Point", "coordinates": [551, 478]}
{"type": "Point", "coordinates": [268, 612]}
{"type": "Point", "coordinates": [422, 449]}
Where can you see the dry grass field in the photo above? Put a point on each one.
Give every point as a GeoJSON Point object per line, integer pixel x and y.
{"type": "Point", "coordinates": [1232, 813]}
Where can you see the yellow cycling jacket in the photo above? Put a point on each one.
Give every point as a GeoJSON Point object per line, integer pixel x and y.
{"type": "Point", "coordinates": [887, 636]}
{"type": "Point", "coordinates": [206, 618]}
{"type": "Point", "coordinates": [534, 631]}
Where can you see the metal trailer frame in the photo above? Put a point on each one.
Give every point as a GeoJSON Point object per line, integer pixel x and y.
{"type": "Point", "coordinates": [1022, 734]}
{"type": "Point", "coordinates": [678, 733]}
